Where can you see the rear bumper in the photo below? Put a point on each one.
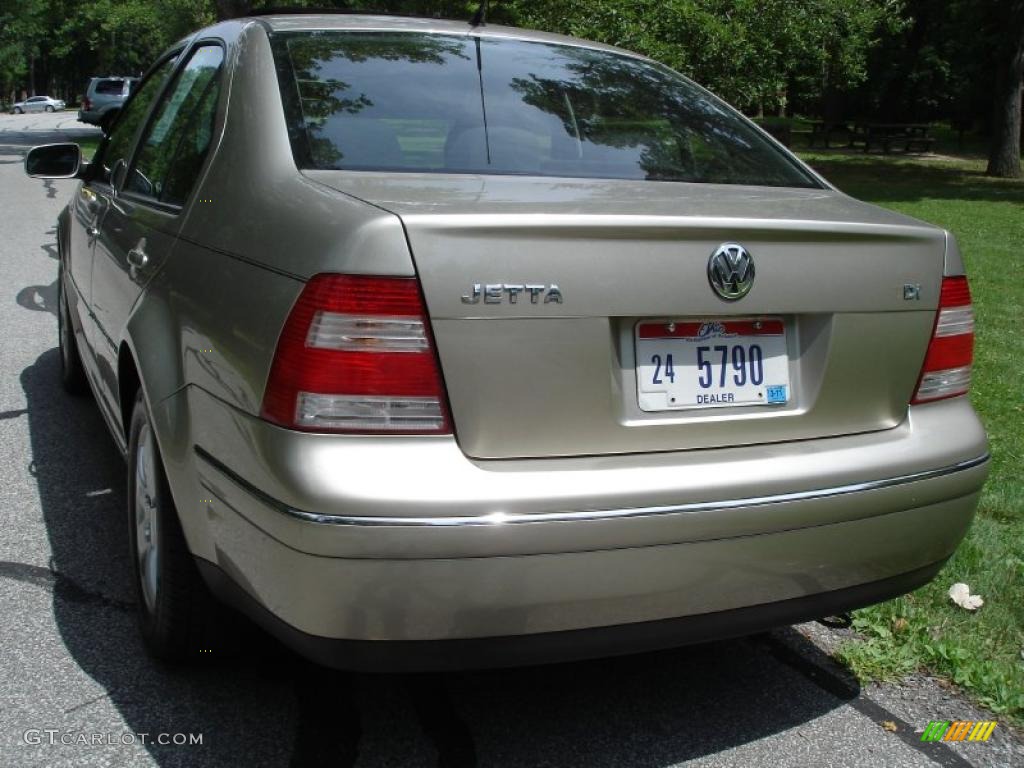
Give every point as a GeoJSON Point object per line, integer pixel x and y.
{"type": "Point", "coordinates": [408, 599]}
{"type": "Point", "coordinates": [401, 544]}
{"type": "Point", "coordinates": [568, 645]}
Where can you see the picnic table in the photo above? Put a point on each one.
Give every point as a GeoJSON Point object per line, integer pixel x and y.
{"type": "Point", "coordinates": [910, 137]}
{"type": "Point", "coordinates": [822, 131]}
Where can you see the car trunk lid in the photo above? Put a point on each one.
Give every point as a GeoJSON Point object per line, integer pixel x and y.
{"type": "Point", "coordinates": [541, 293]}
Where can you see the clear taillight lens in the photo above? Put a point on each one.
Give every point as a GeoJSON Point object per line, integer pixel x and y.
{"type": "Point", "coordinates": [356, 355]}
{"type": "Point", "coordinates": [367, 333]}
{"type": "Point", "coordinates": [947, 365]}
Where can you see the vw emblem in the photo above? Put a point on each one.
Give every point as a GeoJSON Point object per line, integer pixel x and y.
{"type": "Point", "coordinates": [731, 271]}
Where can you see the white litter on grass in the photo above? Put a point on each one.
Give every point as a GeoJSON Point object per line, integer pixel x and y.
{"type": "Point", "coordinates": [960, 594]}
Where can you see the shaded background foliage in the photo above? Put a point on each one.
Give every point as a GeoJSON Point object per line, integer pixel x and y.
{"type": "Point", "coordinates": [892, 60]}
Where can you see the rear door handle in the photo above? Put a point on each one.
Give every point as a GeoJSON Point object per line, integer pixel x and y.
{"type": "Point", "coordinates": [137, 258]}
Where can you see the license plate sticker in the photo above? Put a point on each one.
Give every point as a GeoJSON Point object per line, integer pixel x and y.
{"type": "Point", "coordinates": [693, 364]}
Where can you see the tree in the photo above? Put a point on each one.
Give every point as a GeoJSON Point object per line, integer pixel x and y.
{"type": "Point", "coordinates": [1004, 153]}
{"type": "Point", "coordinates": [748, 51]}
{"type": "Point", "coordinates": [232, 9]}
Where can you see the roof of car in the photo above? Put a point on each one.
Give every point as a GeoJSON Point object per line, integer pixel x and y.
{"type": "Point", "coordinates": [349, 21]}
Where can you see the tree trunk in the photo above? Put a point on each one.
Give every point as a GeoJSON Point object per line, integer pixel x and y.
{"type": "Point", "coordinates": [1004, 154]}
{"type": "Point", "coordinates": [232, 9]}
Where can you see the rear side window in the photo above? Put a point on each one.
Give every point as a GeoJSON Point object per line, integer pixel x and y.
{"type": "Point", "coordinates": [456, 104]}
{"type": "Point", "coordinates": [110, 87]}
{"type": "Point", "coordinates": [118, 145]}
{"type": "Point", "coordinates": [177, 140]}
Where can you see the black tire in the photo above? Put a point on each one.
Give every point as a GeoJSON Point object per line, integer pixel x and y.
{"type": "Point", "coordinates": [178, 617]}
{"type": "Point", "coordinates": [72, 374]}
{"type": "Point", "coordinates": [49, 108]}
{"type": "Point", "coordinates": [18, 111]}
{"type": "Point", "coordinates": [107, 122]}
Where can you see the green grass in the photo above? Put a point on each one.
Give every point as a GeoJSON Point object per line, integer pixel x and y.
{"type": "Point", "coordinates": [89, 146]}
{"type": "Point", "coordinates": [982, 652]}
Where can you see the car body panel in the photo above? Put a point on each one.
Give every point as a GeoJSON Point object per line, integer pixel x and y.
{"type": "Point", "coordinates": [349, 474]}
{"type": "Point", "coordinates": [741, 553]}
{"type": "Point", "coordinates": [556, 505]}
{"type": "Point", "coordinates": [277, 214]}
{"type": "Point", "coordinates": [480, 597]}
{"type": "Point", "coordinates": [624, 251]}
{"type": "Point", "coordinates": [117, 284]}
{"type": "Point", "coordinates": [84, 212]}
{"type": "Point", "coordinates": [226, 326]}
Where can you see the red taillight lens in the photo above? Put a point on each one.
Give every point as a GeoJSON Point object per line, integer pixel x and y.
{"type": "Point", "coordinates": [356, 355]}
{"type": "Point", "coordinates": [947, 365]}
{"type": "Point", "coordinates": [86, 105]}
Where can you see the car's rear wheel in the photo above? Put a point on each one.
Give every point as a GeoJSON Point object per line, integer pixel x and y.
{"type": "Point", "coordinates": [72, 374]}
{"type": "Point", "coordinates": [107, 123]}
{"type": "Point", "coordinates": [18, 110]}
{"type": "Point", "coordinates": [49, 108]}
{"type": "Point", "coordinates": [177, 615]}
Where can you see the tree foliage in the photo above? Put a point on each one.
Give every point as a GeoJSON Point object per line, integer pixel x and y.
{"type": "Point", "coordinates": [752, 52]}
{"type": "Point", "coordinates": [893, 59]}
{"type": "Point", "coordinates": [56, 45]}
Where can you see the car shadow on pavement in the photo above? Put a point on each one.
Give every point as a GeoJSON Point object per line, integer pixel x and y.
{"type": "Point", "coordinates": [270, 708]}
{"type": "Point", "coordinates": [42, 298]}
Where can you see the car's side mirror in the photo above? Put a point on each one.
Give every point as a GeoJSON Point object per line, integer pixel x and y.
{"type": "Point", "coordinates": [54, 161]}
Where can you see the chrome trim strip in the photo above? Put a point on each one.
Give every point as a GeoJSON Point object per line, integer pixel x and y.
{"type": "Point", "coordinates": [501, 518]}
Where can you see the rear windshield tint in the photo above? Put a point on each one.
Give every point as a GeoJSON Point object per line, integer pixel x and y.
{"type": "Point", "coordinates": [460, 104]}
{"type": "Point", "coordinates": [110, 86]}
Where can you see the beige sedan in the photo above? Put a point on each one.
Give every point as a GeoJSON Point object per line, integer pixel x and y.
{"type": "Point", "coordinates": [431, 345]}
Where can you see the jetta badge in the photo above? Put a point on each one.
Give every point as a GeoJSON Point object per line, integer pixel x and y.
{"type": "Point", "coordinates": [731, 271]}
{"type": "Point", "coordinates": [496, 293]}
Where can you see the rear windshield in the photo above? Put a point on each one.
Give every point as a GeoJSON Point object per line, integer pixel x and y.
{"type": "Point", "coordinates": [418, 102]}
{"type": "Point", "coordinates": [110, 86]}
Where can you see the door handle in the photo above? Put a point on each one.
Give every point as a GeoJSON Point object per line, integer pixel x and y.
{"type": "Point", "coordinates": [137, 257]}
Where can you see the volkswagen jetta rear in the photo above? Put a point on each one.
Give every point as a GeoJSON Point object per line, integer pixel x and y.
{"type": "Point", "coordinates": [564, 357]}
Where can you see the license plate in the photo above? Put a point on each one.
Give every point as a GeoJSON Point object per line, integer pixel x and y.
{"type": "Point", "coordinates": [712, 364]}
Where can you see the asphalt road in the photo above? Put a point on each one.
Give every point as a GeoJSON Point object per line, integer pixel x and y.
{"type": "Point", "coordinates": [71, 663]}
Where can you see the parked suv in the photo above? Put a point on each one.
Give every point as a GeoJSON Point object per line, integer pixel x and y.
{"type": "Point", "coordinates": [104, 97]}
{"type": "Point", "coordinates": [430, 344]}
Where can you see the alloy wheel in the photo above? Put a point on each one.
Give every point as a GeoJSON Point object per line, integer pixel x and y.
{"type": "Point", "coordinates": [147, 517]}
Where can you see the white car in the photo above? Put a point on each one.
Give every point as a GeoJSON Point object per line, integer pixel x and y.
{"type": "Point", "coordinates": [38, 104]}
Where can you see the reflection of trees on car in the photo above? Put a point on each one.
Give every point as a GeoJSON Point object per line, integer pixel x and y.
{"type": "Point", "coordinates": [119, 140]}
{"type": "Point", "coordinates": [680, 131]}
{"type": "Point", "coordinates": [515, 107]}
{"type": "Point", "coordinates": [324, 95]}
{"type": "Point", "coordinates": [173, 151]}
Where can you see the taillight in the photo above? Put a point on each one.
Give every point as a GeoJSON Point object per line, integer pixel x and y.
{"type": "Point", "coordinates": [947, 365]}
{"type": "Point", "coordinates": [86, 105]}
{"type": "Point", "coordinates": [356, 355]}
